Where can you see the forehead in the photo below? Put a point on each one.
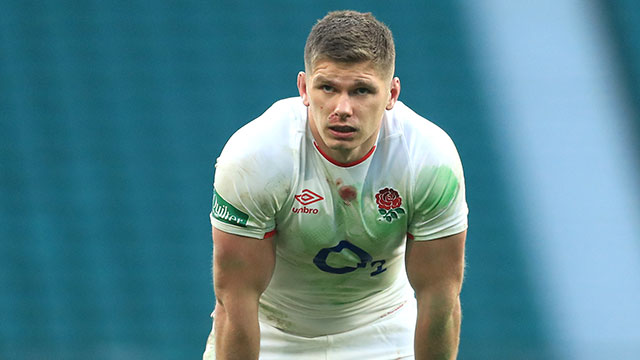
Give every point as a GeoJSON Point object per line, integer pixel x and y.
{"type": "Point", "coordinates": [337, 71]}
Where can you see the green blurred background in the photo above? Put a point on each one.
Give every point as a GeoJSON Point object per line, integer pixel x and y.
{"type": "Point", "coordinates": [112, 114]}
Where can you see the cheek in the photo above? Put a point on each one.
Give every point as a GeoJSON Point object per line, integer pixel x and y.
{"type": "Point", "coordinates": [316, 105]}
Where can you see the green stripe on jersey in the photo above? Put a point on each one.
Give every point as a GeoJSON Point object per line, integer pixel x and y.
{"type": "Point", "coordinates": [225, 212]}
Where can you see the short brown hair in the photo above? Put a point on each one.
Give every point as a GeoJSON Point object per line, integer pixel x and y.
{"type": "Point", "coordinates": [351, 37]}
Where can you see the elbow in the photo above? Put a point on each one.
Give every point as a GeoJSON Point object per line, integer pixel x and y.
{"type": "Point", "coordinates": [439, 314]}
{"type": "Point", "coordinates": [234, 302]}
{"type": "Point", "coordinates": [220, 309]}
{"type": "Point", "coordinates": [442, 303]}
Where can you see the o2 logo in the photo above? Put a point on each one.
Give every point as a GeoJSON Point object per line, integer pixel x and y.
{"type": "Point", "coordinates": [365, 259]}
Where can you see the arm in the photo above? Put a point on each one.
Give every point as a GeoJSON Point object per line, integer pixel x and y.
{"type": "Point", "coordinates": [435, 270]}
{"type": "Point", "coordinates": [242, 269]}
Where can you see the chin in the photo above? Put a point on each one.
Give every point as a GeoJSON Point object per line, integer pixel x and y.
{"type": "Point", "coordinates": [341, 145]}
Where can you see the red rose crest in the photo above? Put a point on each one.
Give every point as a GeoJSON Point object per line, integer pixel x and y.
{"type": "Point", "coordinates": [389, 202]}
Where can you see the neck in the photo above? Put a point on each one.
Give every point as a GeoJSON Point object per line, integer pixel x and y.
{"type": "Point", "coordinates": [342, 155]}
{"type": "Point", "coordinates": [343, 163]}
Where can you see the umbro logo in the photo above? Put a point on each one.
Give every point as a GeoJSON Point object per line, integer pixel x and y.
{"type": "Point", "coordinates": [307, 197]}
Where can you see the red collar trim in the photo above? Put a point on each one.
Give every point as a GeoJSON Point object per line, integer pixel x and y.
{"type": "Point", "coordinates": [335, 162]}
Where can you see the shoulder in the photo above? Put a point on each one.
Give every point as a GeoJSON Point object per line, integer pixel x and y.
{"type": "Point", "coordinates": [257, 167]}
{"type": "Point", "coordinates": [267, 146]}
{"type": "Point", "coordinates": [437, 180]}
{"type": "Point", "coordinates": [277, 129]}
{"type": "Point", "coordinates": [423, 140]}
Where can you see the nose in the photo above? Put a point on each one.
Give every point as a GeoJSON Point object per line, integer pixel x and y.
{"type": "Point", "coordinates": [343, 108]}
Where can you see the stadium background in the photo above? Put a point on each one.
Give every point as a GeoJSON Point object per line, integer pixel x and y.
{"type": "Point", "coordinates": [112, 114]}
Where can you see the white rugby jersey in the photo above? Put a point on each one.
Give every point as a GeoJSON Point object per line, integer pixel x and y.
{"type": "Point", "coordinates": [340, 229]}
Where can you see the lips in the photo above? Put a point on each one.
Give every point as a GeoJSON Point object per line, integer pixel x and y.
{"type": "Point", "coordinates": [342, 131]}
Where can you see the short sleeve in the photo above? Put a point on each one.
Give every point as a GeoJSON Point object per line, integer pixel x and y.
{"type": "Point", "coordinates": [240, 204]}
{"type": "Point", "coordinates": [440, 207]}
{"type": "Point", "coordinates": [252, 178]}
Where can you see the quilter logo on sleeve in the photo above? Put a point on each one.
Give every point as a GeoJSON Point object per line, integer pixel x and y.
{"type": "Point", "coordinates": [225, 212]}
{"type": "Point", "coordinates": [307, 197]}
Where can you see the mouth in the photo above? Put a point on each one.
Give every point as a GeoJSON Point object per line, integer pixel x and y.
{"type": "Point", "coordinates": [342, 131]}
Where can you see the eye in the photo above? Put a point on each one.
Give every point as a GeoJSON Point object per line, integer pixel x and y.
{"type": "Point", "coordinates": [326, 88]}
{"type": "Point", "coordinates": [362, 91]}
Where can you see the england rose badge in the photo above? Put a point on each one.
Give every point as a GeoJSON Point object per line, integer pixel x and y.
{"type": "Point", "coordinates": [389, 202]}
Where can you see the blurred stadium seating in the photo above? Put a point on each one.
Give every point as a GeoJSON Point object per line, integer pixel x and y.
{"type": "Point", "coordinates": [112, 114]}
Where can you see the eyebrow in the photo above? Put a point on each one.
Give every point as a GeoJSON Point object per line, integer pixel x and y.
{"type": "Point", "coordinates": [363, 83]}
{"type": "Point", "coordinates": [322, 79]}
{"type": "Point", "coordinates": [357, 83]}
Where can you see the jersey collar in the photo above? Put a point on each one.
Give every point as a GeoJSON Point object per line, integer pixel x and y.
{"type": "Point", "coordinates": [335, 162]}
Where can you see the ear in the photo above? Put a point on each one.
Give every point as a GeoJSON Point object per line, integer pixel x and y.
{"type": "Point", "coordinates": [394, 93]}
{"type": "Point", "coordinates": [302, 88]}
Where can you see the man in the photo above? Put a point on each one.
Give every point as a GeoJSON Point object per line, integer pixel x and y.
{"type": "Point", "coordinates": [339, 217]}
